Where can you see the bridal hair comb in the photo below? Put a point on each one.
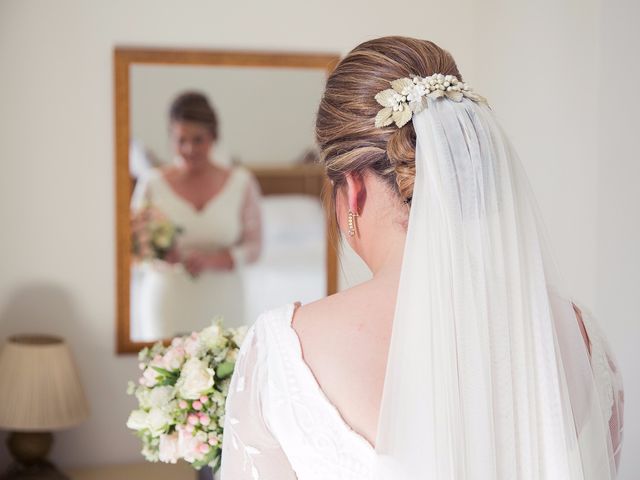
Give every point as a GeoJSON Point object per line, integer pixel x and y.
{"type": "Point", "coordinates": [407, 96]}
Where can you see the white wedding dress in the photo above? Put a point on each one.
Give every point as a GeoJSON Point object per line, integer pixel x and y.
{"type": "Point", "coordinates": [166, 299]}
{"type": "Point", "coordinates": [280, 425]}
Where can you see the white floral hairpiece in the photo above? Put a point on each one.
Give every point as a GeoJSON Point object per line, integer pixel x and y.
{"type": "Point", "coordinates": [407, 96]}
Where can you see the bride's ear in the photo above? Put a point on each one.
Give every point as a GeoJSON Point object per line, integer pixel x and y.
{"type": "Point", "coordinates": [356, 191]}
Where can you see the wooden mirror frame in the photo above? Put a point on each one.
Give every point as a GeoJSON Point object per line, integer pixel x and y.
{"type": "Point", "coordinates": [123, 59]}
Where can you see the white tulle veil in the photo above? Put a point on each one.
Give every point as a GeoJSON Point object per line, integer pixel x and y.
{"type": "Point", "coordinates": [489, 376]}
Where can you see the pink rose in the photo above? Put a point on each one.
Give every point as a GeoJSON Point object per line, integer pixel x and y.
{"type": "Point", "coordinates": [193, 419]}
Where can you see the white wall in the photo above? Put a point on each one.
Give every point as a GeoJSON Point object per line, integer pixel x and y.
{"type": "Point", "coordinates": [618, 234]}
{"type": "Point", "coordinates": [56, 147]}
{"type": "Point", "coordinates": [539, 69]}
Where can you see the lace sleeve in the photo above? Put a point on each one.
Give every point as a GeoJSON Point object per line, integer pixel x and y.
{"type": "Point", "coordinates": [247, 250]}
{"type": "Point", "coordinates": [250, 451]}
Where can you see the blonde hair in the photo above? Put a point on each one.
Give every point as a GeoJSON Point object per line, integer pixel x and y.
{"type": "Point", "coordinates": [345, 131]}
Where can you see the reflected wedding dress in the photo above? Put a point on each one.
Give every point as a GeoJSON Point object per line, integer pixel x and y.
{"type": "Point", "coordinates": [169, 300]}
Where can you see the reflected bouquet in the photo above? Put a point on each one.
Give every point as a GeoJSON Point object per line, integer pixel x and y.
{"type": "Point", "coordinates": [181, 396]}
{"type": "Point", "coordinates": [153, 235]}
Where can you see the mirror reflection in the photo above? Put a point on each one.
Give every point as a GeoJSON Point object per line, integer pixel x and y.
{"type": "Point", "coordinates": [225, 212]}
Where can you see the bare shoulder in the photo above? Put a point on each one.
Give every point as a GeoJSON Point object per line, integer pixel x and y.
{"type": "Point", "coordinates": [330, 323]}
{"type": "Point", "coordinates": [327, 311]}
{"type": "Point", "coordinates": [345, 340]}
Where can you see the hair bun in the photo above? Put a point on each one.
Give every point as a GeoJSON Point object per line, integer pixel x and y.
{"type": "Point", "coordinates": [401, 151]}
{"type": "Point", "coordinates": [194, 106]}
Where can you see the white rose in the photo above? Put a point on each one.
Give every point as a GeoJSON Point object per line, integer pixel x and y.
{"type": "Point", "coordinates": [196, 378]}
{"type": "Point", "coordinates": [137, 420]}
{"type": "Point", "coordinates": [188, 446]}
{"type": "Point", "coordinates": [172, 360]}
{"type": "Point", "coordinates": [150, 376]}
{"type": "Point", "coordinates": [160, 397]}
{"type": "Point", "coordinates": [212, 337]}
{"type": "Point", "coordinates": [158, 420]}
{"type": "Point", "coordinates": [169, 448]}
{"type": "Point", "coordinates": [193, 347]}
{"type": "Point", "coordinates": [142, 394]}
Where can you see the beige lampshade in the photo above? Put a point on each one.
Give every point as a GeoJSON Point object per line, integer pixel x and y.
{"type": "Point", "coordinates": [40, 388]}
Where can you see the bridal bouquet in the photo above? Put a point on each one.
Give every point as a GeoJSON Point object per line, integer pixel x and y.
{"type": "Point", "coordinates": [181, 396]}
{"type": "Point", "coordinates": [153, 235]}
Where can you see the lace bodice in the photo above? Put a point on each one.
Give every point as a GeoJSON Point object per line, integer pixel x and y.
{"type": "Point", "coordinates": [279, 424]}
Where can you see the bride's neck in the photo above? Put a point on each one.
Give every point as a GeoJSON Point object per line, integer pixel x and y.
{"type": "Point", "coordinates": [387, 261]}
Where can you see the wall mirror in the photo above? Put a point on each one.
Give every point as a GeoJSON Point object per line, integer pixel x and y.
{"type": "Point", "coordinates": [218, 195]}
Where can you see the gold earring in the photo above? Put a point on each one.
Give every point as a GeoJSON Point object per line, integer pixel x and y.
{"type": "Point", "coordinates": [352, 223]}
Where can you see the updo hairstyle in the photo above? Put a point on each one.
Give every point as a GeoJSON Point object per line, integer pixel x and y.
{"type": "Point", "coordinates": [194, 107]}
{"type": "Point", "coordinates": [345, 131]}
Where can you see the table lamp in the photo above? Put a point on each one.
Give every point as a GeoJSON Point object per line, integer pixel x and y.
{"type": "Point", "coordinates": [40, 392]}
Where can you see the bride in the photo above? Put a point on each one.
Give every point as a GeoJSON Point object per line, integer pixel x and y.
{"type": "Point", "coordinates": [463, 357]}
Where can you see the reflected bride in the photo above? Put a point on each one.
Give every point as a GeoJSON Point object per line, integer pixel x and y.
{"type": "Point", "coordinates": [216, 212]}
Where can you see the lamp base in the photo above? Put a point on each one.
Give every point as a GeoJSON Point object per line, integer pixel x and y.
{"type": "Point", "coordinates": [41, 471]}
{"type": "Point", "coordinates": [29, 449]}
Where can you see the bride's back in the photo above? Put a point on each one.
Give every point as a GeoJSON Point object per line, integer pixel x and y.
{"type": "Point", "coordinates": [345, 341]}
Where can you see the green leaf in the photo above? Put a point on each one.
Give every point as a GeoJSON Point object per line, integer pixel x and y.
{"type": "Point", "coordinates": [167, 382]}
{"type": "Point", "coordinates": [166, 377]}
{"type": "Point", "coordinates": [166, 372]}
{"type": "Point", "coordinates": [225, 369]}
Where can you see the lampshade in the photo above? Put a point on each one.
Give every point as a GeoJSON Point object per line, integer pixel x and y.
{"type": "Point", "coordinates": [40, 388]}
